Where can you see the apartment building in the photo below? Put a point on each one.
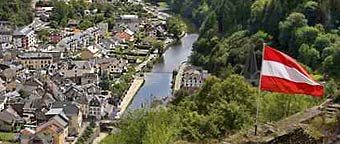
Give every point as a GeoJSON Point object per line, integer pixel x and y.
{"type": "Point", "coordinates": [35, 60]}
{"type": "Point", "coordinates": [24, 37]}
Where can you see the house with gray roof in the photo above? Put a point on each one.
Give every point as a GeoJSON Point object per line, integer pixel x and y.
{"type": "Point", "coordinates": [9, 119]}
{"type": "Point", "coordinates": [72, 111]}
{"type": "Point", "coordinates": [24, 37]}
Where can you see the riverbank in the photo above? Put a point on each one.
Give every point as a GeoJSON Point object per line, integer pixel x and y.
{"type": "Point", "coordinates": [178, 79]}
{"type": "Point", "coordinates": [135, 86]}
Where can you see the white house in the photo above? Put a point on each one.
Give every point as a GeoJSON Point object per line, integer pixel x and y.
{"type": "Point", "coordinates": [193, 77]}
{"type": "Point", "coordinates": [24, 37]}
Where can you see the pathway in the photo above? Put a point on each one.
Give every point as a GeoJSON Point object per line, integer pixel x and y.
{"type": "Point", "coordinates": [178, 79]}
{"type": "Point", "coordinates": [136, 84]}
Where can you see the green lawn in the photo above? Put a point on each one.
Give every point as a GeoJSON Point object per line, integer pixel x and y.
{"type": "Point", "coordinates": [6, 136]}
{"type": "Point", "coordinates": [108, 139]}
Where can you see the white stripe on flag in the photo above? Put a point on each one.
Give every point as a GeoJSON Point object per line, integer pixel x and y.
{"type": "Point", "coordinates": [276, 69]}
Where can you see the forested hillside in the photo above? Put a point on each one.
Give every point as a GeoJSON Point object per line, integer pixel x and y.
{"type": "Point", "coordinates": [18, 12]}
{"type": "Point", "coordinates": [306, 30]}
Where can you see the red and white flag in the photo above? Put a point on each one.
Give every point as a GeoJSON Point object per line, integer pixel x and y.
{"type": "Point", "coordinates": [281, 73]}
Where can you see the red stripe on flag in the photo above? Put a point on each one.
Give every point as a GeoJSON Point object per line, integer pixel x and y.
{"type": "Point", "coordinates": [274, 55]}
{"type": "Point", "coordinates": [275, 84]}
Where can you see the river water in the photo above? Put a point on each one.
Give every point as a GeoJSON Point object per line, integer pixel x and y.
{"type": "Point", "coordinates": [158, 82]}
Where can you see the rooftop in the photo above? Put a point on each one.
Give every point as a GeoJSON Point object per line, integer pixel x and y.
{"type": "Point", "coordinates": [67, 107]}
{"type": "Point", "coordinates": [129, 16]}
{"type": "Point", "coordinates": [35, 56]}
{"type": "Point", "coordinates": [22, 31]}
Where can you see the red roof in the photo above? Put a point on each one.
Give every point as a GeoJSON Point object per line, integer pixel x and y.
{"type": "Point", "coordinates": [123, 36]}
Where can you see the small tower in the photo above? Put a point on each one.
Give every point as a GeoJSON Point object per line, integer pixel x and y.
{"type": "Point", "coordinates": [251, 71]}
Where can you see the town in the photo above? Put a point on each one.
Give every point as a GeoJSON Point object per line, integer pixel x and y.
{"type": "Point", "coordinates": [63, 79]}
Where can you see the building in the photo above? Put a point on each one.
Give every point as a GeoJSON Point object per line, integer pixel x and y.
{"type": "Point", "coordinates": [35, 60]}
{"type": "Point", "coordinates": [90, 53]}
{"type": "Point", "coordinates": [73, 23]}
{"type": "Point", "coordinates": [95, 108]}
{"type": "Point", "coordinates": [193, 77]}
{"type": "Point", "coordinates": [9, 119]}
{"type": "Point", "coordinates": [89, 78]}
{"type": "Point", "coordinates": [111, 66]}
{"type": "Point", "coordinates": [6, 32]}
{"type": "Point", "coordinates": [55, 37]}
{"type": "Point", "coordinates": [8, 75]}
{"type": "Point", "coordinates": [54, 131]}
{"type": "Point", "coordinates": [76, 70]}
{"type": "Point", "coordinates": [90, 36]}
{"type": "Point", "coordinates": [127, 18]}
{"type": "Point", "coordinates": [74, 115]}
{"type": "Point", "coordinates": [24, 37]}
{"type": "Point", "coordinates": [125, 36]}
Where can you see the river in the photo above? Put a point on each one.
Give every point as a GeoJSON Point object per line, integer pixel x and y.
{"type": "Point", "coordinates": [158, 82]}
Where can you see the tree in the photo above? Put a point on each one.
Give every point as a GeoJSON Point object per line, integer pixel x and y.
{"type": "Point", "coordinates": [158, 45]}
{"type": "Point", "coordinates": [61, 12]}
{"type": "Point", "coordinates": [311, 10]}
{"type": "Point", "coordinates": [209, 27]}
{"type": "Point", "coordinates": [149, 127]}
{"type": "Point", "coordinates": [331, 64]}
{"type": "Point", "coordinates": [287, 31]}
{"type": "Point", "coordinates": [18, 12]}
{"type": "Point", "coordinates": [220, 107]}
{"type": "Point", "coordinates": [321, 42]}
{"type": "Point", "coordinates": [43, 35]}
{"type": "Point", "coordinates": [85, 24]}
{"type": "Point", "coordinates": [105, 82]}
{"type": "Point", "coordinates": [275, 106]}
{"type": "Point", "coordinates": [306, 35]}
{"type": "Point", "coordinates": [309, 55]}
{"type": "Point", "coordinates": [175, 26]}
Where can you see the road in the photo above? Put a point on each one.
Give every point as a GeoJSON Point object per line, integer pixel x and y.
{"type": "Point", "coordinates": [154, 11]}
{"type": "Point", "coordinates": [136, 84]}
{"type": "Point", "coordinates": [178, 80]}
{"type": "Point", "coordinates": [143, 64]}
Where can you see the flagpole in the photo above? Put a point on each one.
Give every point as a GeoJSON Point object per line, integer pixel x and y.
{"type": "Point", "coordinates": [259, 94]}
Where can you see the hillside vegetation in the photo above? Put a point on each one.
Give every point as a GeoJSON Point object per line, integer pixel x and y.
{"type": "Point", "coordinates": [304, 29]}
{"type": "Point", "coordinates": [18, 12]}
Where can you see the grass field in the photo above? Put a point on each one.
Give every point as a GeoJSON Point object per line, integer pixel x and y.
{"type": "Point", "coordinates": [108, 139]}
{"type": "Point", "coordinates": [6, 136]}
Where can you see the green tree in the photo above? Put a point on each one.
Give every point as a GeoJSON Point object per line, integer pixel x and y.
{"type": "Point", "coordinates": [18, 12]}
{"type": "Point", "coordinates": [311, 10]}
{"type": "Point", "coordinates": [306, 35]}
{"type": "Point", "coordinates": [105, 82]}
{"type": "Point", "coordinates": [331, 64]}
{"type": "Point", "coordinates": [321, 42]}
{"type": "Point", "coordinates": [275, 106]}
{"type": "Point", "coordinates": [175, 26]}
{"type": "Point", "coordinates": [287, 31]}
{"type": "Point", "coordinates": [220, 107]}
{"type": "Point", "coordinates": [309, 55]}
{"type": "Point", "coordinates": [60, 13]}
{"type": "Point", "coordinates": [43, 35]}
{"type": "Point", "coordinates": [149, 127]}
{"type": "Point", "coordinates": [158, 45]}
{"type": "Point", "coordinates": [85, 24]}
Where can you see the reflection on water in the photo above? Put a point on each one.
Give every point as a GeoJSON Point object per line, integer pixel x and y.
{"type": "Point", "coordinates": [158, 82]}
